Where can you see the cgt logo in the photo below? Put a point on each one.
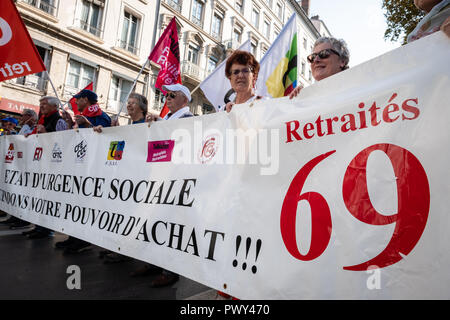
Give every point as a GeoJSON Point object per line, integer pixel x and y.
{"type": "Point", "coordinates": [5, 31]}
{"type": "Point", "coordinates": [10, 154]}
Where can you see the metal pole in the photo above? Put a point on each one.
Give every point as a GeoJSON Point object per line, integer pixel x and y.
{"type": "Point", "coordinates": [54, 89]}
{"type": "Point", "coordinates": [131, 89]}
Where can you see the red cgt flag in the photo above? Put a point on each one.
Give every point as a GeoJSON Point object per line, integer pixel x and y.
{"type": "Point", "coordinates": [73, 101]}
{"type": "Point", "coordinates": [166, 54]}
{"type": "Point", "coordinates": [18, 55]}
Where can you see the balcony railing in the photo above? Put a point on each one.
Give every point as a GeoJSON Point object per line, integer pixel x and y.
{"type": "Point", "coordinates": [87, 27]}
{"type": "Point", "coordinates": [174, 4]}
{"type": "Point", "coordinates": [125, 45]}
{"type": "Point", "coordinates": [48, 6]}
{"type": "Point", "coordinates": [194, 71]}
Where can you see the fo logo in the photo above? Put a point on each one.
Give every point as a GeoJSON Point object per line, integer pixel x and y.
{"type": "Point", "coordinates": [10, 154]}
{"type": "Point", "coordinates": [6, 32]}
{"type": "Point", "coordinates": [38, 154]}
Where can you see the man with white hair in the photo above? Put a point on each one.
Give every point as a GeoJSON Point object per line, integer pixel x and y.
{"type": "Point", "coordinates": [177, 99]}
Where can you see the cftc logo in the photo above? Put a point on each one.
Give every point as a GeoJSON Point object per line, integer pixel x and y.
{"type": "Point", "coordinates": [56, 153]}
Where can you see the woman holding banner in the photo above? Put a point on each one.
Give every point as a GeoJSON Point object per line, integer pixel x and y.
{"type": "Point", "coordinates": [329, 56]}
{"type": "Point", "coordinates": [242, 70]}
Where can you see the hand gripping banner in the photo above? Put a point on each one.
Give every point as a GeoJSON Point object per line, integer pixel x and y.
{"type": "Point", "coordinates": [341, 193]}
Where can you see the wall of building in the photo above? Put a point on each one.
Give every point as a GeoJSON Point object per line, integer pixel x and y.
{"type": "Point", "coordinates": [74, 40]}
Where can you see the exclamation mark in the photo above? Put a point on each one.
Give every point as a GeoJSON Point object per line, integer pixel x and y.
{"type": "Point", "coordinates": [258, 249]}
{"type": "Point", "coordinates": [248, 243]}
{"type": "Point", "coordinates": [238, 244]}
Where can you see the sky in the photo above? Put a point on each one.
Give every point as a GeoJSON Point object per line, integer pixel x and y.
{"type": "Point", "coordinates": [360, 23]}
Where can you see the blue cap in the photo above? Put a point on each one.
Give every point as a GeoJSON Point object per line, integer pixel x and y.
{"type": "Point", "coordinates": [11, 119]}
{"type": "Point", "coordinates": [85, 93]}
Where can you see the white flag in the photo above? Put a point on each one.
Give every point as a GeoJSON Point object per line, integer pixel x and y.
{"type": "Point", "coordinates": [216, 86]}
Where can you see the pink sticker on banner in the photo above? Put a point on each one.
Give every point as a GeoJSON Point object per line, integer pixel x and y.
{"type": "Point", "coordinates": [160, 151]}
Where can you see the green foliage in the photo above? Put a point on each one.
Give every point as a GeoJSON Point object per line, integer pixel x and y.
{"type": "Point", "coordinates": [402, 16]}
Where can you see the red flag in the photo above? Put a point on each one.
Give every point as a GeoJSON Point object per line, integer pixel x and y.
{"type": "Point", "coordinates": [166, 54]}
{"type": "Point", "coordinates": [73, 101]}
{"type": "Point", "coordinates": [18, 55]}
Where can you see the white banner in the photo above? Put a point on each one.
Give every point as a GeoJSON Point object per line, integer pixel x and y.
{"type": "Point", "coordinates": [341, 193]}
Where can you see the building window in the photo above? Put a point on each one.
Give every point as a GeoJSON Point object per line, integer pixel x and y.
{"type": "Point", "coordinates": [279, 11]}
{"type": "Point", "coordinates": [49, 6]}
{"type": "Point", "coordinates": [193, 53]}
{"type": "Point", "coordinates": [305, 43]}
{"type": "Point", "coordinates": [255, 18]}
{"type": "Point", "coordinates": [197, 12]}
{"type": "Point", "coordinates": [266, 29]}
{"type": "Point", "coordinates": [236, 36]}
{"type": "Point", "coordinates": [212, 64]}
{"type": "Point", "coordinates": [80, 75]}
{"type": "Point", "coordinates": [269, 3]}
{"type": "Point", "coordinates": [310, 75]}
{"type": "Point", "coordinates": [239, 6]}
{"type": "Point", "coordinates": [303, 68]}
{"type": "Point", "coordinates": [159, 100]}
{"type": "Point", "coordinates": [36, 81]}
{"type": "Point", "coordinates": [90, 17]}
{"type": "Point", "coordinates": [118, 92]}
{"type": "Point", "coordinates": [254, 48]}
{"type": "Point", "coordinates": [216, 29]}
{"type": "Point", "coordinates": [130, 29]}
{"type": "Point", "coordinates": [175, 4]}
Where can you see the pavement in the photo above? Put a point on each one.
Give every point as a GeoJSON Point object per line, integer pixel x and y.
{"type": "Point", "coordinates": [35, 270]}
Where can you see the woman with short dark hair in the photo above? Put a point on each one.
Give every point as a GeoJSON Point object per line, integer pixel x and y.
{"type": "Point", "coordinates": [242, 70]}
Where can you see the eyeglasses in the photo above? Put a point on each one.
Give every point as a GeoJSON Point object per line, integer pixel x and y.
{"type": "Point", "coordinates": [244, 71]}
{"type": "Point", "coordinates": [323, 54]}
{"type": "Point", "coordinates": [171, 94]}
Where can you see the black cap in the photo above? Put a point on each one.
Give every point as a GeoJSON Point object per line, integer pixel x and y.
{"type": "Point", "coordinates": [91, 95]}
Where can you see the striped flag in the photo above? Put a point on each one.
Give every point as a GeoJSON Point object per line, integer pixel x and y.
{"type": "Point", "coordinates": [278, 72]}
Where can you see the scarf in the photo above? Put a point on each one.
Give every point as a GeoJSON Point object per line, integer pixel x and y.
{"type": "Point", "coordinates": [431, 22]}
{"type": "Point", "coordinates": [92, 111]}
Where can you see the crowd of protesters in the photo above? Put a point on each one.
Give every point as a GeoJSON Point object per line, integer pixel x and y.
{"type": "Point", "coordinates": [329, 57]}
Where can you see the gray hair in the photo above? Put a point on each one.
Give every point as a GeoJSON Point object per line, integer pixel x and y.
{"type": "Point", "coordinates": [31, 113]}
{"type": "Point", "coordinates": [339, 45]}
{"type": "Point", "coordinates": [50, 100]}
{"type": "Point", "coordinates": [142, 101]}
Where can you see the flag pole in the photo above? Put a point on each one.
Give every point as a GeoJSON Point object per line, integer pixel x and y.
{"type": "Point", "coordinates": [54, 89]}
{"type": "Point", "coordinates": [131, 89]}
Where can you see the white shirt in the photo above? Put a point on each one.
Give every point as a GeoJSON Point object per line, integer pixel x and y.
{"type": "Point", "coordinates": [177, 114]}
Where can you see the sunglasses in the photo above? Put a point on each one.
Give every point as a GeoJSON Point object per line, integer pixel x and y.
{"type": "Point", "coordinates": [245, 71]}
{"type": "Point", "coordinates": [323, 54]}
{"type": "Point", "coordinates": [171, 94]}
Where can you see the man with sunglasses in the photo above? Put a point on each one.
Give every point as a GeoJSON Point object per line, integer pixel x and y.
{"type": "Point", "coordinates": [177, 99]}
{"type": "Point", "coordinates": [329, 56]}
